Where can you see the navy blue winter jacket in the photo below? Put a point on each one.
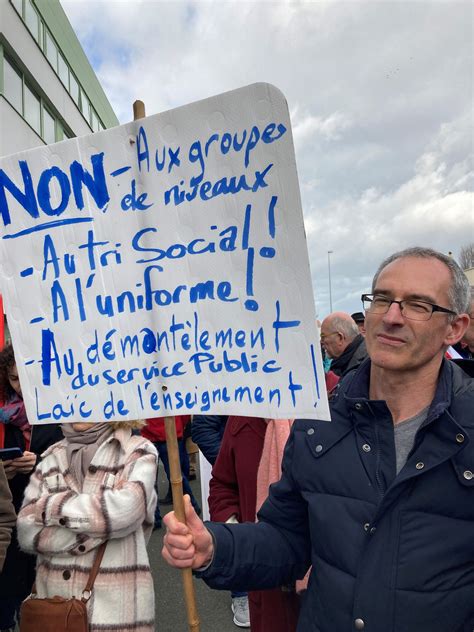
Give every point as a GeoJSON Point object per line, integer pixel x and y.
{"type": "Point", "coordinates": [389, 553]}
{"type": "Point", "coordinates": [207, 432]}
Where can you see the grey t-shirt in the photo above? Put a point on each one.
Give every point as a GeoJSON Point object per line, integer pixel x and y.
{"type": "Point", "coordinates": [404, 434]}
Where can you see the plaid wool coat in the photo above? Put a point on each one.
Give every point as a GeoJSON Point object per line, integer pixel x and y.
{"type": "Point", "coordinates": [64, 525]}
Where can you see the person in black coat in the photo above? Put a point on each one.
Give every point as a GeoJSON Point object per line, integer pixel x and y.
{"type": "Point", "coordinates": [207, 433]}
{"type": "Point", "coordinates": [342, 342]}
{"type": "Point", "coordinates": [7, 516]}
{"type": "Point", "coordinates": [18, 572]}
{"type": "Point", "coordinates": [380, 500]}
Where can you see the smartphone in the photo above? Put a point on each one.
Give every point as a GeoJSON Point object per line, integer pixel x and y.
{"type": "Point", "coordinates": [6, 454]}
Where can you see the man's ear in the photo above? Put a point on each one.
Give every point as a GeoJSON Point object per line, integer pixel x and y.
{"type": "Point", "coordinates": [457, 329]}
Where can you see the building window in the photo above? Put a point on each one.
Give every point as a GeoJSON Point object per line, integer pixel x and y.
{"type": "Point", "coordinates": [49, 127]}
{"type": "Point", "coordinates": [18, 4]}
{"type": "Point", "coordinates": [38, 29]}
{"type": "Point", "coordinates": [85, 107]}
{"type": "Point", "coordinates": [32, 20]}
{"type": "Point", "coordinates": [51, 51]}
{"type": "Point", "coordinates": [41, 34]}
{"type": "Point", "coordinates": [63, 133]}
{"type": "Point", "coordinates": [63, 71]}
{"type": "Point", "coordinates": [13, 88]}
{"type": "Point", "coordinates": [74, 88]}
{"type": "Point", "coordinates": [33, 110]}
{"type": "Point", "coordinates": [94, 121]}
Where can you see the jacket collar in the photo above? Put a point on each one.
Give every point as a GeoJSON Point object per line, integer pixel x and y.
{"type": "Point", "coordinates": [339, 365]}
{"type": "Point", "coordinates": [256, 424]}
{"type": "Point", "coordinates": [451, 381]}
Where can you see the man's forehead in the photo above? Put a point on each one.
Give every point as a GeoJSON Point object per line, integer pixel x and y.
{"type": "Point", "coordinates": [415, 276]}
{"type": "Point", "coordinates": [326, 323]}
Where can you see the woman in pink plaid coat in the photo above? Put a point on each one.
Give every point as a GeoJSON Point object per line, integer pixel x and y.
{"type": "Point", "coordinates": [96, 485]}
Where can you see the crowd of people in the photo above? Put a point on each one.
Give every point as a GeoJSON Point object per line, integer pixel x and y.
{"type": "Point", "coordinates": [363, 523]}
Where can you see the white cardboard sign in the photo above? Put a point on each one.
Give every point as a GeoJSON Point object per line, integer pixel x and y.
{"type": "Point", "coordinates": [161, 267]}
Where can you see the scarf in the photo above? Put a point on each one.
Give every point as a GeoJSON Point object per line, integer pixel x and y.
{"type": "Point", "coordinates": [14, 413]}
{"type": "Point", "coordinates": [269, 469]}
{"type": "Point", "coordinates": [82, 446]}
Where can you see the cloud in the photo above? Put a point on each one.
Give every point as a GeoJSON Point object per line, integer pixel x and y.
{"type": "Point", "coordinates": [435, 207]}
{"type": "Point", "coordinates": [306, 127]}
{"type": "Point", "coordinates": [380, 100]}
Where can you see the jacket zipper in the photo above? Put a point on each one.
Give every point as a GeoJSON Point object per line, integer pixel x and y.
{"type": "Point", "coordinates": [377, 463]}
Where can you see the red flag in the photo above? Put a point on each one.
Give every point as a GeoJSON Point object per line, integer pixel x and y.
{"type": "Point", "coordinates": [2, 324]}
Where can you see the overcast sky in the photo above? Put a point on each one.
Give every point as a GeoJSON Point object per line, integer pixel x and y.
{"type": "Point", "coordinates": [380, 96]}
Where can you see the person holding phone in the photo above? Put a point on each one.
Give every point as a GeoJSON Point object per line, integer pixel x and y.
{"type": "Point", "coordinates": [21, 444]}
{"type": "Point", "coordinates": [8, 454]}
{"type": "Point", "coordinates": [7, 516]}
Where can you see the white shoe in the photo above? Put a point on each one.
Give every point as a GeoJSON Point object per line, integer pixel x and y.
{"type": "Point", "coordinates": [240, 608]}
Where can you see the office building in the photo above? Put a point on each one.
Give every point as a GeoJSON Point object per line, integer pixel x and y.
{"type": "Point", "coordinates": [48, 89]}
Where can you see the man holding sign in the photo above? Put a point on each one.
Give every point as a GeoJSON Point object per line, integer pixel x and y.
{"type": "Point", "coordinates": [160, 268]}
{"type": "Point", "coordinates": [380, 500]}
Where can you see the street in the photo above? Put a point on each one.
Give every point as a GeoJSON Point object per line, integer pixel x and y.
{"type": "Point", "coordinates": [213, 606]}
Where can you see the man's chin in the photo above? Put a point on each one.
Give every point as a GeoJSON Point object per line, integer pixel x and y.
{"type": "Point", "coordinates": [390, 359]}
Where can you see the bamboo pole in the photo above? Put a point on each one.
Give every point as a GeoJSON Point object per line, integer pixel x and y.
{"type": "Point", "coordinates": [138, 110]}
{"type": "Point", "coordinates": [178, 506]}
{"type": "Point", "coordinates": [175, 475]}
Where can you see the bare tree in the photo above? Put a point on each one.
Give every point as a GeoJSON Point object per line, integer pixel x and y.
{"type": "Point", "coordinates": [466, 256]}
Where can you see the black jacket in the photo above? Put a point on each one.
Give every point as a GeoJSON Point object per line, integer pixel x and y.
{"type": "Point", "coordinates": [18, 572]}
{"type": "Point", "coordinates": [395, 552]}
{"type": "Point", "coordinates": [352, 356]}
{"type": "Point", "coordinates": [207, 432]}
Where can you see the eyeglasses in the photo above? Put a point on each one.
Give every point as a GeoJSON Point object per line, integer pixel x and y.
{"type": "Point", "coordinates": [323, 337]}
{"type": "Point", "coordinates": [411, 309]}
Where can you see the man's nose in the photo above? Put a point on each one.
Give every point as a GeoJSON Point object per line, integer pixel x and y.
{"type": "Point", "coordinates": [394, 315]}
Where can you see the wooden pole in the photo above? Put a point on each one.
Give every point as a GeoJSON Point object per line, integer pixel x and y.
{"type": "Point", "coordinates": [138, 110]}
{"type": "Point", "coordinates": [178, 506]}
{"type": "Point", "coordinates": [175, 474]}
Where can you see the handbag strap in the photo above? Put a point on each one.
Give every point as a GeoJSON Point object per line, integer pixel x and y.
{"type": "Point", "coordinates": [87, 592]}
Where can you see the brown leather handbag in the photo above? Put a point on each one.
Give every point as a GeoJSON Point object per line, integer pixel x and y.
{"type": "Point", "coordinates": [56, 614]}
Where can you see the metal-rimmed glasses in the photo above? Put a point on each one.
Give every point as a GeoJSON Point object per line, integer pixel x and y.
{"type": "Point", "coordinates": [323, 337]}
{"type": "Point", "coordinates": [410, 308]}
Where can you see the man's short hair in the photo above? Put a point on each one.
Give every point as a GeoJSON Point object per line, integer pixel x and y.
{"type": "Point", "coordinates": [345, 326]}
{"type": "Point", "coordinates": [459, 291]}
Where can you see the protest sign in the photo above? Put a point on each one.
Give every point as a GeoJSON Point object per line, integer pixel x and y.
{"type": "Point", "coordinates": [161, 267]}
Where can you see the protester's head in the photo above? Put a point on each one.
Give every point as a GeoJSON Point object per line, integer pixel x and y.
{"type": "Point", "coordinates": [459, 290]}
{"type": "Point", "coordinates": [133, 424]}
{"type": "Point", "coordinates": [359, 319]}
{"type": "Point", "coordinates": [9, 382]}
{"type": "Point", "coordinates": [468, 338]}
{"type": "Point", "coordinates": [338, 330]}
{"type": "Point", "coordinates": [435, 296]}
{"type": "Point", "coordinates": [84, 426]}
